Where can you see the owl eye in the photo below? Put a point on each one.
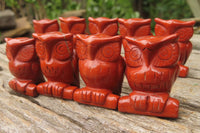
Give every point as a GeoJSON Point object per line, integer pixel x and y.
{"type": "Point", "coordinates": [109, 52]}
{"type": "Point", "coordinates": [143, 30]}
{"type": "Point", "coordinates": [62, 50]}
{"type": "Point", "coordinates": [93, 28]}
{"type": "Point", "coordinates": [185, 33]}
{"type": "Point", "coordinates": [40, 49]}
{"type": "Point", "coordinates": [81, 49]}
{"type": "Point", "coordinates": [78, 28]}
{"type": "Point", "coordinates": [134, 57]}
{"type": "Point", "coordinates": [160, 30]}
{"type": "Point", "coordinates": [53, 27]}
{"type": "Point", "coordinates": [26, 53]}
{"type": "Point", "coordinates": [167, 56]}
{"type": "Point", "coordinates": [111, 29]}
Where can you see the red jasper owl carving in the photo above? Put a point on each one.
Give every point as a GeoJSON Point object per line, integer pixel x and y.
{"type": "Point", "coordinates": [103, 25]}
{"type": "Point", "coordinates": [74, 25]}
{"type": "Point", "coordinates": [58, 64]}
{"type": "Point", "coordinates": [151, 71]}
{"type": "Point", "coordinates": [185, 32]}
{"type": "Point", "coordinates": [24, 65]}
{"type": "Point", "coordinates": [45, 25]}
{"type": "Point", "coordinates": [134, 27]}
{"type": "Point", "coordinates": [101, 68]}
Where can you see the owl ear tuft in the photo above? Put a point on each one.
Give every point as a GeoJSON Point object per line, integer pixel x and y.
{"type": "Point", "coordinates": [121, 20]}
{"type": "Point", "coordinates": [170, 38]}
{"type": "Point", "coordinates": [159, 21]}
{"type": "Point", "coordinates": [7, 39]}
{"type": "Point", "coordinates": [35, 35]}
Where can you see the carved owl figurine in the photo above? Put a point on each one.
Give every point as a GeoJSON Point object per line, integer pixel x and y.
{"type": "Point", "coordinates": [74, 25]}
{"type": "Point", "coordinates": [134, 27]}
{"type": "Point", "coordinates": [103, 25]}
{"type": "Point", "coordinates": [151, 69]}
{"type": "Point", "coordinates": [24, 65]}
{"type": "Point", "coordinates": [101, 68]}
{"type": "Point", "coordinates": [58, 64]}
{"type": "Point", "coordinates": [45, 25]}
{"type": "Point", "coordinates": [185, 31]}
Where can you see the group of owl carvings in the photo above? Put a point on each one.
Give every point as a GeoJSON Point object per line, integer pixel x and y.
{"type": "Point", "coordinates": [151, 63]}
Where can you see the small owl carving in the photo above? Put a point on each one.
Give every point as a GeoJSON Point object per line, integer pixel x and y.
{"type": "Point", "coordinates": [24, 65]}
{"type": "Point", "coordinates": [103, 25]}
{"type": "Point", "coordinates": [58, 64]}
{"type": "Point", "coordinates": [151, 71]}
{"type": "Point", "coordinates": [74, 25]}
{"type": "Point", "coordinates": [134, 27]}
{"type": "Point", "coordinates": [45, 25]}
{"type": "Point", "coordinates": [185, 32]}
{"type": "Point", "coordinates": [101, 68]}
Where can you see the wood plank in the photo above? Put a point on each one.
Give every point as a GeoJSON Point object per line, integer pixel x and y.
{"type": "Point", "coordinates": [19, 113]}
{"type": "Point", "coordinates": [195, 7]}
{"type": "Point", "coordinates": [23, 26]}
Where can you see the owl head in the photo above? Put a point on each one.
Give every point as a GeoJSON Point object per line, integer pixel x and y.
{"type": "Point", "coordinates": [54, 45]}
{"type": "Point", "coordinates": [45, 25]}
{"type": "Point", "coordinates": [73, 25]}
{"type": "Point", "coordinates": [134, 27]}
{"type": "Point", "coordinates": [101, 47]}
{"type": "Point", "coordinates": [21, 49]}
{"type": "Point", "coordinates": [103, 25]}
{"type": "Point", "coordinates": [148, 51]}
{"type": "Point", "coordinates": [182, 28]}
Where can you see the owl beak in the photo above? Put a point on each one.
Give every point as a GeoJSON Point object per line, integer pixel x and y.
{"type": "Point", "coordinates": [147, 55]}
{"type": "Point", "coordinates": [91, 52]}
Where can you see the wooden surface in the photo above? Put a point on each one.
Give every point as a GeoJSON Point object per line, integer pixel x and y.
{"type": "Point", "coordinates": [23, 26]}
{"type": "Point", "coordinates": [195, 7]}
{"type": "Point", "coordinates": [19, 113]}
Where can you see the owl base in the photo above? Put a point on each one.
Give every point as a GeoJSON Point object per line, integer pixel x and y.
{"type": "Point", "coordinates": [97, 97]}
{"type": "Point", "coordinates": [154, 104]}
{"type": "Point", "coordinates": [56, 89]}
{"type": "Point", "coordinates": [183, 71]}
{"type": "Point", "coordinates": [26, 87]}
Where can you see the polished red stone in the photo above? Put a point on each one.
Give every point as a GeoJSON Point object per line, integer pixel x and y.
{"type": "Point", "coordinates": [134, 27]}
{"type": "Point", "coordinates": [74, 25]}
{"type": "Point", "coordinates": [58, 64]}
{"type": "Point", "coordinates": [101, 68]}
{"type": "Point", "coordinates": [151, 69]}
{"type": "Point", "coordinates": [103, 25]}
{"type": "Point", "coordinates": [185, 31]}
{"type": "Point", "coordinates": [45, 25]}
{"type": "Point", "coordinates": [24, 65]}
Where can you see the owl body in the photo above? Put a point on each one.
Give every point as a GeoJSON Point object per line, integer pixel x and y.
{"type": "Point", "coordinates": [134, 27]}
{"type": "Point", "coordinates": [185, 32]}
{"type": "Point", "coordinates": [24, 65]}
{"type": "Point", "coordinates": [58, 63]}
{"type": "Point", "coordinates": [103, 25]}
{"type": "Point", "coordinates": [97, 74]}
{"type": "Point", "coordinates": [101, 68]}
{"type": "Point", "coordinates": [45, 25]}
{"type": "Point", "coordinates": [151, 69]}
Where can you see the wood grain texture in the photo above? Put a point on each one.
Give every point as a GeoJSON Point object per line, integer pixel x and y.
{"type": "Point", "coordinates": [19, 113]}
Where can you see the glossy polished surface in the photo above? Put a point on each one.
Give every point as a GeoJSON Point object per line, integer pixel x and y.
{"type": "Point", "coordinates": [101, 68]}
{"type": "Point", "coordinates": [45, 25]}
{"type": "Point", "coordinates": [134, 27]}
{"type": "Point", "coordinates": [152, 67]}
{"type": "Point", "coordinates": [74, 25]}
{"type": "Point", "coordinates": [58, 64]}
{"type": "Point", "coordinates": [24, 65]}
{"type": "Point", "coordinates": [103, 25]}
{"type": "Point", "coordinates": [185, 31]}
